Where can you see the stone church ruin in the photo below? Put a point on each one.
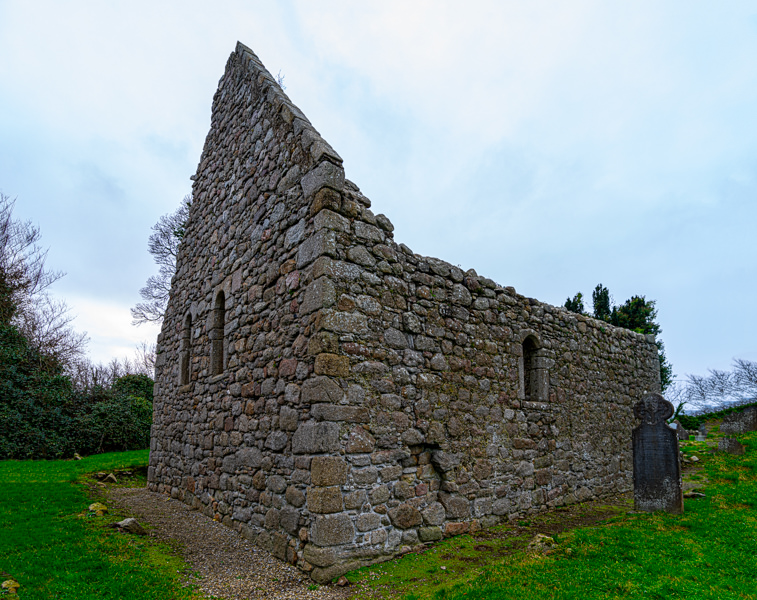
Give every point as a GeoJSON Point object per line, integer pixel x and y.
{"type": "Point", "coordinates": [339, 399]}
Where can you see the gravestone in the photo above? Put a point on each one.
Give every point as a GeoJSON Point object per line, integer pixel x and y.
{"type": "Point", "coordinates": [681, 431]}
{"type": "Point", "coordinates": [730, 446]}
{"type": "Point", "coordinates": [656, 461]}
{"type": "Point", "coordinates": [701, 434]}
{"type": "Point", "coordinates": [740, 422]}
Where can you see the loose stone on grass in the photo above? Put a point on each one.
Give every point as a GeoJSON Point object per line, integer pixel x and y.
{"type": "Point", "coordinates": [98, 509]}
{"type": "Point", "coordinates": [11, 585]}
{"type": "Point", "coordinates": [130, 525]}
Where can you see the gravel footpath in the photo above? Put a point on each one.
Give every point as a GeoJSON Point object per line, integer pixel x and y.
{"type": "Point", "coordinates": [230, 567]}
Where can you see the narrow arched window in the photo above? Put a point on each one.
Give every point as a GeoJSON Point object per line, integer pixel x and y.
{"type": "Point", "coordinates": [534, 371]}
{"type": "Point", "coordinates": [529, 369]}
{"type": "Point", "coordinates": [185, 352]}
{"type": "Point", "coordinates": [217, 342]}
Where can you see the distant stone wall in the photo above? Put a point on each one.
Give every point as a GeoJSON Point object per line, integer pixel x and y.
{"type": "Point", "coordinates": [740, 422]}
{"type": "Point", "coordinates": [338, 398]}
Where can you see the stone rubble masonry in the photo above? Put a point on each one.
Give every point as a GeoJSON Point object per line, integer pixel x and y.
{"type": "Point", "coordinates": [369, 399]}
{"type": "Point", "coordinates": [740, 422]}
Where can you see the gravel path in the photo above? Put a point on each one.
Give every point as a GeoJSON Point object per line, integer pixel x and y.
{"type": "Point", "coordinates": [230, 567]}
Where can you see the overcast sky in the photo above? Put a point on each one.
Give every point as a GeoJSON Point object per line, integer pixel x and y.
{"type": "Point", "coordinates": [549, 145]}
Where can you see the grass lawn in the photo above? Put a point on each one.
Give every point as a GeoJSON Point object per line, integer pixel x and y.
{"type": "Point", "coordinates": [54, 550]}
{"type": "Point", "coordinates": [708, 552]}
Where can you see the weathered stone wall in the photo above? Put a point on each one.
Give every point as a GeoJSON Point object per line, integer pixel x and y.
{"type": "Point", "coordinates": [338, 398]}
{"type": "Point", "coordinates": [740, 422]}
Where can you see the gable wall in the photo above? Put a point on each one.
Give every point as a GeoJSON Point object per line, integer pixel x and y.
{"type": "Point", "coordinates": [372, 399]}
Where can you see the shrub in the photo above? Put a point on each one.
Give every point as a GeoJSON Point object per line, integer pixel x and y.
{"type": "Point", "coordinates": [43, 416]}
{"type": "Point", "coordinates": [119, 423]}
{"type": "Point", "coordinates": [35, 415]}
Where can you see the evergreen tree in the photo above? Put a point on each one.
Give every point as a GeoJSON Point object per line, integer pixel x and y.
{"type": "Point", "coordinates": [576, 304]}
{"type": "Point", "coordinates": [640, 315]}
{"type": "Point", "coordinates": [601, 300]}
{"type": "Point", "coordinates": [637, 314]}
{"type": "Point", "coordinates": [36, 419]}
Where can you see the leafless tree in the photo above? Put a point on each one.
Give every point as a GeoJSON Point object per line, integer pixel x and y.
{"type": "Point", "coordinates": [676, 394]}
{"type": "Point", "coordinates": [745, 379]}
{"type": "Point", "coordinates": [86, 375]}
{"type": "Point", "coordinates": [48, 328]}
{"type": "Point", "coordinates": [721, 389]}
{"type": "Point", "coordinates": [24, 281]}
{"type": "Point", "coordinates": [22, 263]}
{"type": "Point", "coordinates": [144, 361]}
{"type": "Point", "coordinates": [163, 244]}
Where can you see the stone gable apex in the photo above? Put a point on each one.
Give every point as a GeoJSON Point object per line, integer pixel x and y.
{"type": "Point", "coordinates": [311, 140]}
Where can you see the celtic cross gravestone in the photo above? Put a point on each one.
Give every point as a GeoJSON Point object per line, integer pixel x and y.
{"type": "Point", "coordinates": [656, 463]}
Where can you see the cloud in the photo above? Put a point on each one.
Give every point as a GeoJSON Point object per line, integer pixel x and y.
{"type": "Point", "coordinates": [108, 325]}
{"type": "Point", "coordinates": [550, 145]}
{"type": "Point", "coordinates": [578, 78]}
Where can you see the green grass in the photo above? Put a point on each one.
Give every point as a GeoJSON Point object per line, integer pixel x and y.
{"type": "Point", "coordinates": [55, 551]}
{"type": "Point", "coordinates": [692, 422]}
{"type": "Point", "coordinates": [708, 552]}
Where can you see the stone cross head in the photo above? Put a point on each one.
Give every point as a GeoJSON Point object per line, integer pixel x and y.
{"type": "Point", "coordinates": [652, 409]}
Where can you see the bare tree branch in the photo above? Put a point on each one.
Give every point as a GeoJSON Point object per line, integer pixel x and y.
{"type": "Point", "coordinates": [163, 244]}
{"type": "Point", "coordinates": [86, 375]}
{"type": "Point", "coordinates": [145, 359]}
{"type": "Point", "coordinates": [22, 263]}
{"type": "Point", "coordinates": [721, 389]}
{"type": "Point", "coordinates": [24, 301]}
{"type": "Point", "coordinates": [745, 378]}
{"type": "Point", "coordinates": [48, 328]}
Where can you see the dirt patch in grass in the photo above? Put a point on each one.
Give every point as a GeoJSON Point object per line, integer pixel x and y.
{"type": "Point", "coordinates": [552, 523]}
{"type": "Point", "coordinates": [455, 560]}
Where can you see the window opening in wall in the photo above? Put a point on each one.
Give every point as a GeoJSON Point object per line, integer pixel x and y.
{"type": "Point", "coordinates": [185, 354]}
{"type": "Point", "coordinates": [530, 383]}
{"type": "Point", "coordinates": [216, 335]}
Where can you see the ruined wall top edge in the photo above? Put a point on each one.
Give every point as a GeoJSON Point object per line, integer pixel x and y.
{"type": "Point", "coordinates": [321, 150]}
